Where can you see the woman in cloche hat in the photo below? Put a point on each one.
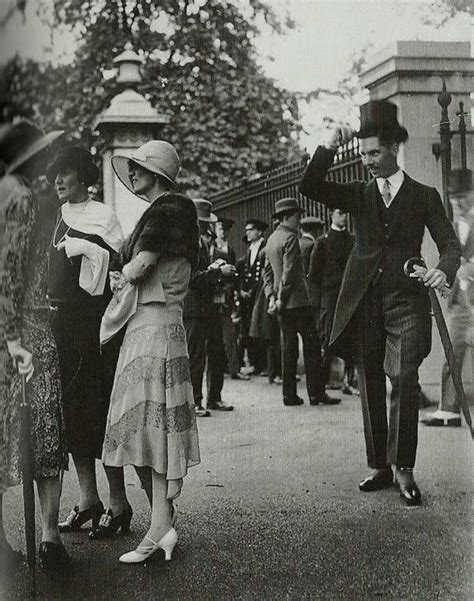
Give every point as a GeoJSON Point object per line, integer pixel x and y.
{"type": "Point", "coordinates": [151, 422]}
{"type": "Point", "coordinates": [27, 346]}
{"type": "Point", "coordinates": [87, 236]}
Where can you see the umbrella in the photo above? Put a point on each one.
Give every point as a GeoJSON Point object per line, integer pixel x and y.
{"type": "Point", "coordinates": [454, 368]}
{"type": "Point", "coordinates": [28, 488]}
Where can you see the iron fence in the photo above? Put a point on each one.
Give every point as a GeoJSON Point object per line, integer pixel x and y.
{"type": "Point", "coordinates": [256, 197]}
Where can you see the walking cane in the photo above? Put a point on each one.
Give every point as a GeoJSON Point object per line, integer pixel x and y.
{"type": "Point", "coordinates": [28, 488]}
{"type": "Point", "coordinates": [454, 368]}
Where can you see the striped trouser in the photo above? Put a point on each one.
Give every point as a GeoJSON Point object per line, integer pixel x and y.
{"type": "Point", "coordinates": [394, 340]}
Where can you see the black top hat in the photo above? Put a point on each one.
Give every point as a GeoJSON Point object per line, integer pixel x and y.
{"type": "Point", "coordinates": [76, 158]}
{"type": "Point", "coordinates": [257, 223]}
{"type": "Point", "coordinates": [379, 118]}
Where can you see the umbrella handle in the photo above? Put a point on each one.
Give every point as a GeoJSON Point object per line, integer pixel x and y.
{"type": "Point", "coordinates": [409, 268]}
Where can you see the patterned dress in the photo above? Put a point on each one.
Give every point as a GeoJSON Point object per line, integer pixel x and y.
{"type": "Point", "coordinates": [25, 315]}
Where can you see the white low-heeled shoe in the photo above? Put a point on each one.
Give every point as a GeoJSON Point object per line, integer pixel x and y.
{"type": "Point", "coordinates": [140, 554]}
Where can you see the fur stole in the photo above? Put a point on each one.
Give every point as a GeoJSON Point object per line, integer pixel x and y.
{"type": "Point", "coordinates": [169, 226]}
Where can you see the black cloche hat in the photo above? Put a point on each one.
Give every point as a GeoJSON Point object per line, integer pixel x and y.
{"type": "Point", "coordinates": [77, 158]}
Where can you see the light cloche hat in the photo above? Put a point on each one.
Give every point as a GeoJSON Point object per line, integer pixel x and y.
{"type": "Point", "coordinates": [157, 156]}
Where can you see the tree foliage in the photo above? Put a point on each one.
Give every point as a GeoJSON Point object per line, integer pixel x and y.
{"type": "Point", "coordinates": [227, 118]}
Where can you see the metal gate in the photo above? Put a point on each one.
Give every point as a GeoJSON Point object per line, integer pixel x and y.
{"type": "Point", "coordinates": [255, 199]}
{"type": "Point", "coordinates": [453, 180]}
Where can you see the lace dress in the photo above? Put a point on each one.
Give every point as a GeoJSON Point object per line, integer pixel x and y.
{"type": "Point", "coordinates": [151, 420]}
{"type": "Point", "coordinates": [25, 315]}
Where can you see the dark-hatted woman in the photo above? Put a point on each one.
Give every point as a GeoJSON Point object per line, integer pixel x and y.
{"type": "Point", "coordinates": [26, 343]}
{"type": "Point", "coordinates": [151, 422]}
{"type": "Point", "coordinates": [86, 236]}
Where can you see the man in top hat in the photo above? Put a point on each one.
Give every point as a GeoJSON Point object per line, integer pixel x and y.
{"type": "Point", "coordinates": [387, 312]}
{"type": "Point", "coordinates": [250, 269]}
{"type": "Point", "coordinates": [197, 313]}
{"type": "Point", "coordinates": [327, 266]}
{"type": "Point", "coordinates": [285, 289]}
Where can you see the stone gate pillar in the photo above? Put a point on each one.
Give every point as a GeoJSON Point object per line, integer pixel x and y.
{"type": "Point", "coordinates": [411, 75]}
{"type": "Point", "coordinates": [127, 123]}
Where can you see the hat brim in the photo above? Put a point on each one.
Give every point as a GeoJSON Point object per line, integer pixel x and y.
{"type": "Point", "coordinates": [394, 131]}
{"type": "Point", "coordinates": [120, 164]}
{"type": "Point", "coordinates": [211, 219]}
{"type": "Point", "coordinates": [88, 172]}
{"type": "Point", "coordinates": [36, 147]}
{"type": "Point", "coordinates": [284, 211]}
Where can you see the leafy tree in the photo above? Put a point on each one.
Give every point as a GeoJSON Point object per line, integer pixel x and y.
{"type": "Point", "coordinates": [227, 118]}
{"type": "Point", "coordinates": [340, 102]}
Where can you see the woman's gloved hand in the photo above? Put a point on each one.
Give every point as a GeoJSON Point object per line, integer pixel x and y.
{"type": "Point", "coordinates": [74, 247]}
{"type": "Point", "coordinates": [117, 281]}
{"type": "Point", "coordinates": [22, 358]}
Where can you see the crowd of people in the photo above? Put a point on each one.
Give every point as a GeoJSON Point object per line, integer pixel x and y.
{"type": "Point", "coordinates": [114, 335]}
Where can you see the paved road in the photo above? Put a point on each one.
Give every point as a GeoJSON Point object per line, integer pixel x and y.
{"type": "Point", "coordinates": [273, 512]}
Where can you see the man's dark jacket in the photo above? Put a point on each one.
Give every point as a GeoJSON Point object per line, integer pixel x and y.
{"type": "Point", "coordinates": [383, 245]}
{"type": "Point", "coordinates": [284, 276]}
{"type": "Point", "coordinates": [329, 258]}
{"type": "Point", "coordinates": [250, 274]}
{"type": "Point", "coordinates": [306, 248]}
{"type": "Point", "coordinates": [198, 300]}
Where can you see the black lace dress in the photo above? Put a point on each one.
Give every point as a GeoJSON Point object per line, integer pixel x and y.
{"type": "Point", "coordinates": [25, 315]}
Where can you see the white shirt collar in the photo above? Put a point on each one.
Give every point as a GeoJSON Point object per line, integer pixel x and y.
{"type": "Point", "coordinates": [336, 228]}
{"type": "Point", "coordinates": [309, 236]}
{"type": "Point", "coordinates": [254, 246]}
{"type": "Point", "coordinates": [395, 180]}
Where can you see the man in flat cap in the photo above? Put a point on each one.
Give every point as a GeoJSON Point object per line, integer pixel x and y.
{"type": "Point", "coordinates": [250, 270]}
{"type": "Point", "coordinates": [285, 289]}
{"type": "Point", "coordinates": [311, 228]}
{"type": "Point", "coordinates": [387, 312]}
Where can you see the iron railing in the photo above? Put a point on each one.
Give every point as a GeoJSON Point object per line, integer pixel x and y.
{"type": "Point", "coordinates": [256, 197]}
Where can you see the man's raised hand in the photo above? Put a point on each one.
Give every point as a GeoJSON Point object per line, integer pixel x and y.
{"type": "Point", "coordinates": [340, 136]}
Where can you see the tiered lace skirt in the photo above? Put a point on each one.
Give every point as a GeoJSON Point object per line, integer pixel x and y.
{"type": "Point", "coordinates": [151, 420]}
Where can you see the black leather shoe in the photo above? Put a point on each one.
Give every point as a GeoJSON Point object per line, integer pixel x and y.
{"type": "Point", "coordinates": [53, 557]}
{"type": "Point", "coordinates": [292, 401]}
{"type": "Point", "coordinates": [409, 491]}
{"type": "Point", "coordinates": [110, 525]}
{"type": "Point", "coordinates": [377, 481]}
{"type": "Point", "coordinates": [410, 494]}
{"type": "Point", "coordinates": [220, 406]}
{"type": "Point", "coordinates": [439, 422]}
{"type": "Point", "coordinates": [76, 519]}
{"type": "Point", "coordinates": [323, 400]}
